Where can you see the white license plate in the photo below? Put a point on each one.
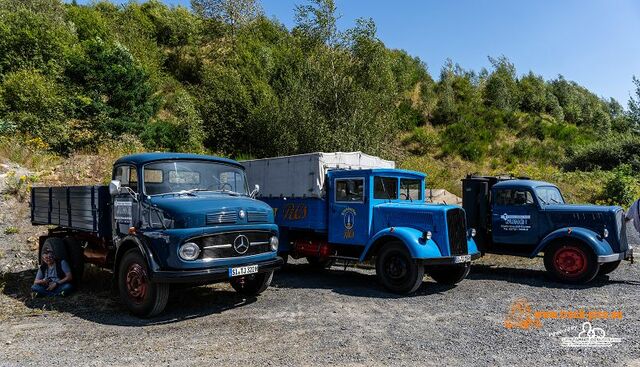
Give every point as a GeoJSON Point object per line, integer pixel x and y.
{"type": "Point", "coordinates": [462, 259]}
{"type": "Point", "coordinates": [243, 270]}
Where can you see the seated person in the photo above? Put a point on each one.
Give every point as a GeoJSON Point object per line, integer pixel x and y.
{"type": "Point", "coordinates": [53, 278]}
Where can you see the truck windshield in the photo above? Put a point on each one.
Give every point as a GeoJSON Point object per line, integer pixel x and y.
{"type": "Point", "coordinates": [549, 195]}
{"type": "Point", "coordinates": [187, 177]}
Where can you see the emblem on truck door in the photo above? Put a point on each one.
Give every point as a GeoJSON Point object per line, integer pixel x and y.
{"type": "Point", "coordinates": [241, 244]}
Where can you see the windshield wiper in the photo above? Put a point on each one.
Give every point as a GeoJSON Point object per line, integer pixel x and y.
{"type": "Point", "coordinates": [543, 201]}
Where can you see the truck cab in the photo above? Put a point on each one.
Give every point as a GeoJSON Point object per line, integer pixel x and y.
{"type": "Point", "coordinates": [525, 217]}
{"type": "Point", "coordinates": [165, 218]}
{"type": "Point", "coordinates": [347, 211]}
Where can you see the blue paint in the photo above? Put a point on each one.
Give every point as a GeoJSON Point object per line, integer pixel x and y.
{"type": "Point", "coordinates": [355, 224]}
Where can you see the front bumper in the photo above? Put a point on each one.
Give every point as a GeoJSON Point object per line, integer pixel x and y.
{"type": "Point", "coordinates": [450, 260]}
{"type": "Point", "coordinates": [210, 275]}
{"type": "Point", "coordinates": [627, 255]}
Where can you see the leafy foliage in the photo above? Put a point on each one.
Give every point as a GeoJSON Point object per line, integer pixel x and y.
{"type": "Point", "coordinates": [224, 79]}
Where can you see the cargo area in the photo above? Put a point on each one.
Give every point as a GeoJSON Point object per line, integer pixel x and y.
{"type": "Point", "coordinates": [83, 208]}
{"type": "Point", "coordinates": [301, 176]}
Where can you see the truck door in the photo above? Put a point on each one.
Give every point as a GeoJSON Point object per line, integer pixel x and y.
{"type": "Point", "coordinates": [348, 211]}
{"type": "Point", "coordinates": [125, 208]}
{"type": "Point", "coordinates": [514, 217]}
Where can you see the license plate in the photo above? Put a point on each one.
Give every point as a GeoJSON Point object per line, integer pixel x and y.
{"type": "Point", "coordinates": [462, 259]}
{"type": "Point", "coordinates": [243, 270]}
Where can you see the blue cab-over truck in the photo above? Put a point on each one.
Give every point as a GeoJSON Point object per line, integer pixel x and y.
{"type": "Point", "coordinates": [523, 217]}
{"type": "Point", "coordinates": [165, 218]}
{"type": "Point", "coordinates": [353, 207]}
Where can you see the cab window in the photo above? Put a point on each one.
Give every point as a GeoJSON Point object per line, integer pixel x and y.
{"type": "Point", "coordinates": [385, 188]}
{"type": "Point", "coordinates": [128, 177]}
{"type": "Point", "coordinates": [410, 189]}
{"type": "Point", "coordinates": [349, 190]}
{"type": "Point", "coordinates": [515, 197]}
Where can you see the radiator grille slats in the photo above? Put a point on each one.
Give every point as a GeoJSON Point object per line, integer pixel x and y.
{"type": "Point", "coordinates": [457, 232]}
{"type": "Point", "coordinates": [221, 217]}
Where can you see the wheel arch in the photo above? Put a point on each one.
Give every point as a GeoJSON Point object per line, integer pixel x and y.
{"type": "Point", "coordinates": [128, 243]}
{"type": "Point", "coordinates": [587, 237]}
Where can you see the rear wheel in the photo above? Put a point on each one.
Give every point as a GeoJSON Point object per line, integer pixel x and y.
{"type": "Point", "coordinates": [252, 285]}
{"type": "Point", "coordinates": [142, 297]}
{"type": "Point", "coordinates": [449, 274]}
{"type": "Point", "coordinates": [397, 270]}
{"type": "Point", "coordinates": [571, 262]}
{"type": "Point", "coordinates": [319, 263]}
{"type": "Point", "coordinates": [606, 268]}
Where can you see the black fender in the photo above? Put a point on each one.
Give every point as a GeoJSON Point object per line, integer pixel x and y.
{"type": "Point", "coordinates": [127, 243]}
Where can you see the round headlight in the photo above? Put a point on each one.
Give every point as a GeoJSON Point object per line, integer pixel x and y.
{"type": "Point", "coordinates": [189, 251]}
{"type": "Point", "coordinates": [273, 242]}
{"type": "Point", "coordinates": [605, 233]}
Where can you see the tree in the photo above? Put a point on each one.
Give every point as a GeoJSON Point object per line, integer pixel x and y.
{"type": "Point", "coordinates": [501, 90]}
{"type": "Point", "coordinates": [634, 104]}
{"type": "Point", "coordinates": [534, 93]}
{"type": "Point", "coordinates": [236, 13]}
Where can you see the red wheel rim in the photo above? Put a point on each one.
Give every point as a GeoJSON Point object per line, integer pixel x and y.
{"type": "Point", "coordinates": [570, 261]}
{"type": "Point", "coordinates": [137, 282]}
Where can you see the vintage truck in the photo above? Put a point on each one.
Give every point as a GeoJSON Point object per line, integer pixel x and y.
{"type": "Point", "coordinates": [353, 207]}
{"type": "Point", "coordinates": [524, 217]}
{"type": "Point", "coordinates": [165, 218]}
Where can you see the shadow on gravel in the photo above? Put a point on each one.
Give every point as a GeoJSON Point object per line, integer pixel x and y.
{"type": "Point", "coordinates": [347, 282]}
{"type": "Point", "coordinates": [536, 278]}
{"type": "Point", "coordinates": [96, 301]}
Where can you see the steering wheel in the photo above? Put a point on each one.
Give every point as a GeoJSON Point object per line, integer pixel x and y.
{"type": "Point", "coordinates": [225, 184]}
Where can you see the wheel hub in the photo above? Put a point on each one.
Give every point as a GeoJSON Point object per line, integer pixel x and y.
{"type": "Point", "coordinates": [396, 267]}
{"type": "Point", "coordinates": [570, 261]}
{"type": "Point", "coordinates": [137, 282]}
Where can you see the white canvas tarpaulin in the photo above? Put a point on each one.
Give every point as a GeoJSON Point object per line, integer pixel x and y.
{"type": "Point", "coordinates": [303, 175]}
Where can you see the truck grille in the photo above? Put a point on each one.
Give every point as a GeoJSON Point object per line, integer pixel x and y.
{"type": "Point", "coordinates": [621, 227]}
{"type": "Point", "coordinates": [221, 245]}
{"type": "Point", "coordinates": [457, 232]}
{"type": "Point", "coordinates": [221, 217]}
{"type": "Point", "coordinates": [257, 217]}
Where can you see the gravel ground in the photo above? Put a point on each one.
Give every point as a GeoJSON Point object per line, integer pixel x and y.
{"type": "Point", "coordinates": [335, 317]}
{"type": "Point", "coordinates": [325, 318]}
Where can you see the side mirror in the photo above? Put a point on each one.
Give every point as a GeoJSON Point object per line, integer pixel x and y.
{"type": "Point", "coordinates": [255, 191]}
{"type": "Point", "coordinates": [114, 187]}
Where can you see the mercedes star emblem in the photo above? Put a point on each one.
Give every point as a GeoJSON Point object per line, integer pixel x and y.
{"type": "Point", "coordinates": [241, 244]}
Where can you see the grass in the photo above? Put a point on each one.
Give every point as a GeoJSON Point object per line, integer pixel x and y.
{"type": "Point", "coordinates": [11, 230]}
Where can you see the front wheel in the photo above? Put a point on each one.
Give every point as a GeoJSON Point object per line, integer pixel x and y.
{"type": "Point", "coordinates": [142, 297]}
{"type": "Point", "coordinates": [571, 262]}
{"type": "Point", "coordinates": [252, 285]}
{"type": "Point", "coordinates": [449, 274]}
{"type": "Point", "coordinates": [397, 270]}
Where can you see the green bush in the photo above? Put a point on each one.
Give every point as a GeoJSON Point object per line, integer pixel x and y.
{"type": "Point", "coordinates": [621, 189]}
{"type": "Point", "coordinates": [606, 153]}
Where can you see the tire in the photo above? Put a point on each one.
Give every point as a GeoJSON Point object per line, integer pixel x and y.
{"type": "Point", "coordinates": [571, 262]}
{"type": "Point", "coordinates": [318, 263]}
{"type": "Point", "coordinates": [397, 270]}
{"type": "Point", "coordinates": [252, 285]}
{"type": "Point", "coordinates": [142, 297]}
{"type": "Point", "coordinates": [449, 274]}
{"type": "Point", "coordinates": [606, 268]}
{"type": "Point", "coordinates": [75, 254]}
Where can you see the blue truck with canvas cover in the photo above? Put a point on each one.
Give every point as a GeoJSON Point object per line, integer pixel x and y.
{"type": "Point", "coordinates": [164, 218]}
{"type": "Point", "coordinates": [524, 217]}
{"type": "Point", "coordinates": [354, 207]}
